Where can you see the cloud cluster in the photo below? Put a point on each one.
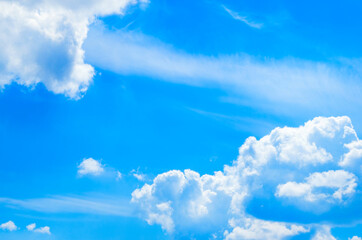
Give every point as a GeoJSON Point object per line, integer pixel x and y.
{"type": "Point", "coordinates": [305, 163]}
{"type": "Point", "coordinates": [9, 226]}
{"type": "Point", "coordinates": [43, 42]}
{"type": "Point", "coordinates": [44, 230]}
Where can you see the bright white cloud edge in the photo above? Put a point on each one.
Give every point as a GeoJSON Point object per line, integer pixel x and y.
{"type": "Point", "coordinates": [9, 226]}
{"type": "Point", "coordinates": [313, 153]}
{"type": "Point", "coordinates": [44, 42]}
{"type": "Point", "coordinates": [44, 230]}
{"type": "Point", "coordinates": [90, 166]}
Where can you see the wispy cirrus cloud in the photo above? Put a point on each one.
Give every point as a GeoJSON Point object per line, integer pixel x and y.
{"type": "Point", "coordinates": [243, 19]}
{"type": "Point", "coordinates": [271, 84]}
{"type": "Point", "coordinates": [105, 205]}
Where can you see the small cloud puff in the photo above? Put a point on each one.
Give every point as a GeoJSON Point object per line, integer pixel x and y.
{"type": "Point", "coordinates": [91, 167]}
{"type": "Point", "coordinates": [31, 227]}
{"type": "Point", "coordinates": [138, 175]}
{"type": "Point", "coordinates": [43, 230]}
{"type": "Point", "coordinates": [9, 226]}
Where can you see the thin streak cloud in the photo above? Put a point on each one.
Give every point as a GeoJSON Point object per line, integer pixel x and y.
{"type": "Point", "coordinates": [268, 82]}
{"type": "Point", "coordinates": [243, 19]}
{"type": "Point", "coordinates": [65, 204]}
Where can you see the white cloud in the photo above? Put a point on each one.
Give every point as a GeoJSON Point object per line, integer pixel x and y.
{"type": "Point", "coordinates": [184, 200]}
{"type": "Point", "coordinates": [43, 42]}
{"type": "Point", "coordinates": [355, 238]}
{"type": "Point", "coordinates": [324, 233]}
{"type": "Point", "coordinates": [10, 226]}
{"type": "Point", "coordinates": [98, 205]}
{"type": "Point", "coordinates": [31, 227]}
{"type": "Point", "coordinates": [44, 230]}
{"type": "Point", "coordinates": [295, 162]}
{"type": "Point", "coordinates": [353, 158]}
{"type": "Point", "coordinates": [243, 19]}
{"type": "Point", "coordinates": [256, 229]}
{"type": "Point", "coordinates": [138, 175]}
{"type": "Point", "coordinates": [343, 181]}
{"type": "Point", "coordinates": [90, 166]}
{"type": "Point", "coordinates": [275, 85]}
{"type": "Point", "coordinates": [119, 175]}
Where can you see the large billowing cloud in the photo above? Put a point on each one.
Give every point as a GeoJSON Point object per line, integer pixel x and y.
{"type": "Point", "coordinates": [42, 42]}
{"type": "Point", "coordinates": [308, 167]}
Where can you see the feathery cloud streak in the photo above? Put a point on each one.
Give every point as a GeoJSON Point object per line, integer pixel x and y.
{"type": "Point", "coordinates": [285, 82]}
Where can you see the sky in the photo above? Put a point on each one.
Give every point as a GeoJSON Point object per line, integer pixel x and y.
{"type": "Point", "coordinates": [154, 119]}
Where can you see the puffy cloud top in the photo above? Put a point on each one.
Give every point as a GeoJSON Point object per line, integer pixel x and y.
{"type": "Point", "coordinates": [43, 42]}
{"type": "Point", "coordinates": [10, 226]}
{"type": "Point", "coordinates": [307, 164]}
{"type": "Point", "coordinates": [44, 230]}
{"type": "Point", "coordinates": [90, 166]}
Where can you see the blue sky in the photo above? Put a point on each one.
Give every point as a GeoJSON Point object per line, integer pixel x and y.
{"type": "Point", "coordinates": [180, 120]}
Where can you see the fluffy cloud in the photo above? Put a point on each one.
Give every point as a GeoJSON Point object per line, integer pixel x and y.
{"type": "Point", "coordinates": [305, 162]}
{"type": "Point", "coordinates": [90, 166]}
{"type": "Point", "coordinates": [353, 158]}
{"type": "Point", "coordinates": [31, 227]}
{"type": "Point", "coordinates": [184, 200]}
{"type": "Point", "coordinates": [256, 229]}
{"type": "Point", "coordinates": [44, 230]}
{"type": "Point", "coordinates": [355, 238]}
{"type": "Point", "coordinates": [10, 226]}
{"type": "Point", "coordinates": [43, 42]}
{"type": "Point", "coordinates": [344, 183]}
{"type": "Point", "coordinates": [324, 233]}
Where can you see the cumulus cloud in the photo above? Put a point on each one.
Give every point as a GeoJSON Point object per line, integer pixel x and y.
{"type": "Point", "coordinates": [296, 162]}
{"type": "Point", "coordinates": [355, 238]}
{"type": "Point", "coordinates": [31, 227]}
{"type": "Point", "coordinates": [344, 183]}
{"type": "Point", "coordinates": [324, 233]}
{"type": "Point", "coordinates": [90, 166]}
{"type": "Point", "coordinates": [353, 158]}
{"type": "Point", "coordinates": [43, 42]}
{"type": "Point", "coordinates": [44, 230]}
{"type": "Point", "coordinates": [9, 226]}
{"type": "Point", "coordinates": [183, 200]}
{"type": "Point", "coordinates": [256, 229]}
